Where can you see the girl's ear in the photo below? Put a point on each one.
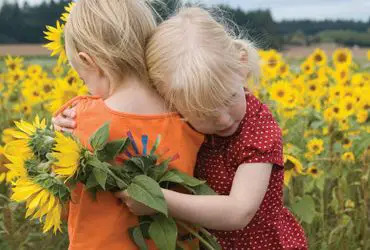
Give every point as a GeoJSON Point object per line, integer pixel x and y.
{"type": "Point", "coordinates": [89, 62]}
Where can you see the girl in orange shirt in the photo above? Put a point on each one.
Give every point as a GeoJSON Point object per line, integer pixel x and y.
{"type": "Point", "coordinates": [105, 43]}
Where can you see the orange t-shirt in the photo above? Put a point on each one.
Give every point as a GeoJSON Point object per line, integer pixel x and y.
{"type": "Point", "coordinates": [103, 223]}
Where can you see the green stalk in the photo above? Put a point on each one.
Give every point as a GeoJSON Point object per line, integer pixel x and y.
{"type": "Point", "coordinates": [193, 232]}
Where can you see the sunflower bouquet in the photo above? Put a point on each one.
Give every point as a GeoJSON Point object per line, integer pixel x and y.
{"type": "Point", "coordinates": [45, 166]}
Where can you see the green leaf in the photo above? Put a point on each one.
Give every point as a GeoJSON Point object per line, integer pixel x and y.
{"type": "Point", "coordinates": [171, 176]}
{"type": "Point", "coordinates": [305, 209]}
{"type": "Point", "coordinates": [163, 232]}
{"type": "Point", "coordinates": [320, 182]}
{"type": "Point", "coordinates": [204, 189]}
{"type": "Point", "coordinates": [188, 180]}
{"type": "Point", "coordinates": [147, 191]}
{"type": "Point", "coordinates": [100, 176]}
{"type": "Point", "coordinates": [100, 137]}
{"type": "Point", "coordinates": [145, 222]}
{"type": "Point", "coordinates": [137, 237]}
{"type": "Point", "coordinates": [317, 124]}
{"type": "Point", "coordinates": [91, 182]}
{"type": "Point", "coordinates": [210, 239]}
{"type": "Point", "coordinates": [157, 171]}
{"type": "Point", "coordinates": [112, 149]}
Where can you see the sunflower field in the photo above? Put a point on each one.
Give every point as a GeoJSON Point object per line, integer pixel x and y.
{"type": "Point", "coordinates": [322, 104]}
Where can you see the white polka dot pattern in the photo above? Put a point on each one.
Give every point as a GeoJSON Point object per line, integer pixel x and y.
{"type": "Point", "coordinates": [258, 140]}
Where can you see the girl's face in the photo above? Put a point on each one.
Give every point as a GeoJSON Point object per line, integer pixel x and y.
{"type": "Point", "coordinates": [227, 120]}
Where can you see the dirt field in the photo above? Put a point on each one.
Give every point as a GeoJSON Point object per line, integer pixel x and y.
{"type": "Point", "coordinates": [296, 52]}
{"type": "Point", "coordinates": [23, 50]}
{"type": "Point", "coordinates": [293, 52]}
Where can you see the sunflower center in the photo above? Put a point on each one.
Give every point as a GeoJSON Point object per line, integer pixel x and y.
{"type": "Point", "coordinates": [312, 87]}
{"type": "Point", "coordinates": [336, 110]}
{"type": "Point", "coordinates": [272, 62]}
{"type": "Point", "coordinates": [315, 148]}
{"type": "Point", "coordinates": [12, 66]}
{"type": "Point", "coordinates": [289, 165]}
{"type": "Point", "coordinates": [342, 58]}
{"type": "Point", "coordinates": [314, 171]}
{"type": "Point", "coordinates": [283, 69]}
{"type": "Point", "coordinates": [71, 80]}
{"type": "Point", "coordinates": [281, 93]}
{"type": "Point", "coordinates": [47, 88]}
{"type": "Point", "coordinates": [349, 106]}
{"type": "Point", "coordinates": [318, 58]}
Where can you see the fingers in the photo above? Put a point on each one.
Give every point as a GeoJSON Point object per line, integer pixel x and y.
{"type": "Point", "coordinates": [64, 123]}
{"type": "Point", "coordinates": [70, 113]}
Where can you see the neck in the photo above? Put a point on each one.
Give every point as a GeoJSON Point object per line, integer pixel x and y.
{"type": "Point", "coordinates": [133, 95]}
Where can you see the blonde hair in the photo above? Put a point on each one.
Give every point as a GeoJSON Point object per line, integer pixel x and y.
{"type": "Point", "coordinates": [113, 32]}
{"type": "Point", "coordinates": [194, 62]}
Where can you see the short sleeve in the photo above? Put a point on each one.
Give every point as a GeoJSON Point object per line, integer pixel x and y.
{"type": "Point", "coordinates": [262, 141]}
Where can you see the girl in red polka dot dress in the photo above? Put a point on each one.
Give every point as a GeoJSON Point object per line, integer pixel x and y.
{"type": "Point", "coordinates": [200, 70]}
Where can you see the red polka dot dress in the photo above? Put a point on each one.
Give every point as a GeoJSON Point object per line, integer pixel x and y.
{"type": "Point", "coordinates": [258, 140]}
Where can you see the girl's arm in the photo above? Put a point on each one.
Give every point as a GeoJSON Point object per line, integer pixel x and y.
{"type": "Point", "coordinates": [219, 212]}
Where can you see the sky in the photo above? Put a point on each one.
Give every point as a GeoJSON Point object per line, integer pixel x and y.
{"type": "Point", "coordinates": [298, 9]}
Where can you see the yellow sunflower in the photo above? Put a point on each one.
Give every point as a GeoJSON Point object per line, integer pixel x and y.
{"type": "Point", "coordinates": [359, 80]}
{"type": "Point", "coordinates": [314, 89]}
{"type": "Point", "coordinates": [56, 37]}
{"type": "Point", "coordinates": [298, 83]}
{"type": "Point", "coordinates": [26, 130]}
{"type": "Point", "coordinates": [342, 58]}
{"type": "Point", "coordinates": [3, 168]}
{"type": "Point", "coordinates": [34, 70]}
{"type": "Point", "coordinates": [348, 105]}
{"type": "Point", "coordinates": [68, 9]}
{"type": "Point", "coordinates": [14, 63]}
{"type": "Point", "coordinates": [338, 112]}
{"type": "Point", "coordinates": [33, 94]}
{"type": "Point", "coordinates": [280, 91]}
{"type": "Point", "coordinates": [348, 157]}
{"type": "Point", "coordinates": [362, 116]}
{"type": "Point", "coordinates": [319, 57]}
{"type": "Point", "coordinates": [314, 172]}
{"type": "Point", "coordinates": [58, 71]}
{"type": "Point", "coordinates": [63, 92]}
{"type": "Point", "coordinates": [7, 135]}
{"type": "Point", "coordinates": [292, 166]}
{"type": "Point", "coordinates": [271, 61]}
{"type": "Point", "coordinates": [308, 67]}
{"type": "Point", "coordinates": [336, 92]}
{"type": "Point", "coordinates": [15, 76]}
{"type": "Point", "coordinates": [315, 146]}
{"type": "Point", "coordinates": [342, 76]}
{"type": "Point", "coordinates": [346, 143]}
{"type": "Point", "coordinates": [23, 107]}
{"type": "Point", "coordinates": [67, 153]}
{"type": "Point", "coordinates": [284, 70]}
{"type": "Point", "coordinates": [40, 203]}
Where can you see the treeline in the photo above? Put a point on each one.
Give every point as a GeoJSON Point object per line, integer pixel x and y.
{"type": "Point", "coordinates": [25, 24]}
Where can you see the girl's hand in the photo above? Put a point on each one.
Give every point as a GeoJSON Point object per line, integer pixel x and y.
{"type": "Point", "coordinates": [65, 120]}
{"type": "Point", "coordinates": [134, 206]}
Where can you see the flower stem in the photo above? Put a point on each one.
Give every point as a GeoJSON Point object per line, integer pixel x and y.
{"type": "Point", "coordinates": [193, 232]}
